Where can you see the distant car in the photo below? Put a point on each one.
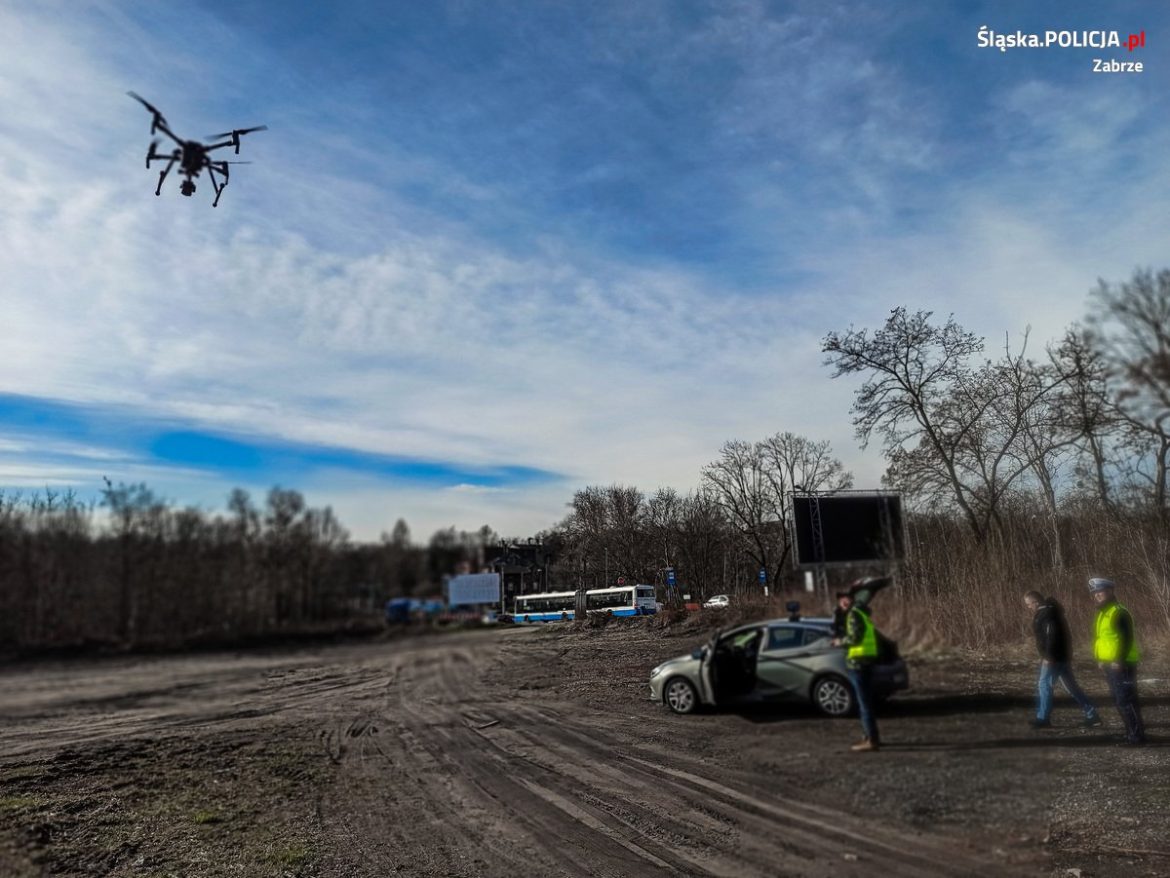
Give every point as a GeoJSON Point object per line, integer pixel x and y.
{"type": "Point", "coordinates": [771, 661]}
{"type": "Point", "coordinates": [719, 601]}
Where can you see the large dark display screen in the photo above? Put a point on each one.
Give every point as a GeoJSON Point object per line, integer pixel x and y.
{"type": "Point", "coordinates": [854, 527]}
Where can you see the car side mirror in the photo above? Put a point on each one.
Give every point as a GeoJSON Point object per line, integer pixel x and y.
{"type": "Point", "coordinates": [698, 652]}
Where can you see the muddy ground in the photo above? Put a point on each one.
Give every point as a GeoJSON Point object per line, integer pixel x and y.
{"type": "Point", "coordinates": [536, 751]}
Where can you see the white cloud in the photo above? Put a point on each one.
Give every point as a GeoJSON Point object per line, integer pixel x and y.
{"type": "Point", "coordinates": [478, 489]}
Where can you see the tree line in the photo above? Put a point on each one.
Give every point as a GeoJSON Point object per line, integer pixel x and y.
{"type": "Point", "coordinates": [1021, 469]}
{"type": "Point", "coordinates": [146, 574]}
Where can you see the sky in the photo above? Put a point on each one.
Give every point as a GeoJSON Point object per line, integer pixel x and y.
{"type": "Point", "coordinates": [490, 253]}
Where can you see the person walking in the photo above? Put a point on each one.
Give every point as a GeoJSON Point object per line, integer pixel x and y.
{"type": "Point", "coordinates": [1055, 648]}
{"type": "Point", "coordinates": [1116, 650]}
{"type": "Point", "coordinates": [861, 653]}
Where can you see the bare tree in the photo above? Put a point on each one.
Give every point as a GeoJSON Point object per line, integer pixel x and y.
{"type": "Point", "coordinates": [626, 534]}
{"type": "Point", "coordinates": [923, 398]}
{"type": "Point", "coordinates": [798, 463]}
{"type": "Point", "coordinates": [1130, 326]}
{"type": "Point", "coordinates": [753, 483]}
{"type": "Point", "coordinates": [1033, 419]}
{"type": "Point", "coordinates": [708, 545]}
{"type": "Point", "coordinates": [606, 535]}
{"type": "Point", "coordinates": [1085, 409]}
{"type": "Point", "coordinates": [664, 512]}
{"type": "Point", "coordinates": [742, 482]}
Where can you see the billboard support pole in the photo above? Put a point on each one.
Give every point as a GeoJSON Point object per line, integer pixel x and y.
{"type": "Point", "coordinates": [888, 533]}
{"type": "Point", "coordinates": [818, 540]}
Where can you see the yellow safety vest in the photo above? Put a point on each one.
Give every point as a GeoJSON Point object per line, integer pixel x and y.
{"type": "Point", "coordinates": [1108, 645]}
{"type": "Point", "coordinates": [868, 648]}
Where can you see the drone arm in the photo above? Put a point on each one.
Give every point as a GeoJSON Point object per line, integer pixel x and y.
{"type": "Point", "coordinates": [160, 125]}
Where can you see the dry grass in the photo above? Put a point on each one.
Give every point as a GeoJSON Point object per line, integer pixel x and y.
{"type": "Point", "coordinates": [952, 594]}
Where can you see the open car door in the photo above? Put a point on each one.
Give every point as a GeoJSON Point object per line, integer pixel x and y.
{"type": "Point", "coordinates": [730, 663]}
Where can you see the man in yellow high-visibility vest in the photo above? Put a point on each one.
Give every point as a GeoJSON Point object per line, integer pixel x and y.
{"type": "Point", "coordinates": [861, 654]}
{"type": "Point", "coordinates": [1116, 650]}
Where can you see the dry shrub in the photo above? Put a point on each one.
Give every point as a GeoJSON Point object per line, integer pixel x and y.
{"type": "Point", "coordinates": [670, 616]}
{"type": "Point", "coordinates": [953, 592]}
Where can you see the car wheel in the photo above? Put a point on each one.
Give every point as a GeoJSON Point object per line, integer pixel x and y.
{"type": "Point", "coordinates": [833, 696]}
{"type": "Point", "coordinates": [680, 695]}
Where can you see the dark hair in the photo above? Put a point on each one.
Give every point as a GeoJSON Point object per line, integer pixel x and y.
{"type": "Point", "coordinates": [1035, 596]}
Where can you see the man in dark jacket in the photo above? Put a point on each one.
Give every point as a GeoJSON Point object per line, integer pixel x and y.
{"type": "Point", "coordinates": [1055, 648]}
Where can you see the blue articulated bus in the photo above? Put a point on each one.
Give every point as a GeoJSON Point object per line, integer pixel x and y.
{"type": "Point", "coordinates": [559, 606]}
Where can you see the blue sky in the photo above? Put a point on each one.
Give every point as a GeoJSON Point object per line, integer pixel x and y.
{"type": "Point", "coordinates": [490, 253]}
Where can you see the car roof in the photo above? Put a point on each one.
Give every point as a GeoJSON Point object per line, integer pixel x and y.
{"type": "Point", "coordinates": [807, 622]}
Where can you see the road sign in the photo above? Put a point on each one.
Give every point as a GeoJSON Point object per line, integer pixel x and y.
{"type": "Point", "coordinates": [763, 575]}
{"type": "Point", "coordinates": [670, 576]}
{"type": "Point", "coordinates": [621, 580]}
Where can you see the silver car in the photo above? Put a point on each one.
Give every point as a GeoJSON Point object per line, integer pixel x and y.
{"type": "Point", "coordinates": [778, 660]}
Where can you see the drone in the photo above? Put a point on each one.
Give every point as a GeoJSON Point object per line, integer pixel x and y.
{"type": "Point", "coordinates": [192, 155]}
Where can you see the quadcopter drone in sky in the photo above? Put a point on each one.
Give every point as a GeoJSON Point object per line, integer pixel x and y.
{"type": "Point", "coordinates": [192, 155]}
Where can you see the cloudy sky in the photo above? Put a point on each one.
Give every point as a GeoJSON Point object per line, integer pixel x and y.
{"type": "Point", "coordinates": [489, 253]}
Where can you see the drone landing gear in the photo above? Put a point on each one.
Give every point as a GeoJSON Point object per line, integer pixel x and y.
{"type": "Point", "coordinates": [163, 175]}
{"type": "Point", "coordinates": [219, 187]}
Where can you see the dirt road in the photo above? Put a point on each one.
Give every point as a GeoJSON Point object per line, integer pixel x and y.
{"type": "Point", "coordinates": [537, 752]}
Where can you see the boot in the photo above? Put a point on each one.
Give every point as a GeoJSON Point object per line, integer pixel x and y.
{"type": "Point", "coordinates": [864, 746]}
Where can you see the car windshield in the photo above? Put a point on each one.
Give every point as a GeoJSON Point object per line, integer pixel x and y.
{"type": "Point", "coordinates": [740, 639]}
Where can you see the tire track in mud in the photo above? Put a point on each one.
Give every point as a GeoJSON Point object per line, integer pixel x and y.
{"type": "Point", "coordinates": [227, 698]}
{"type": "Point", "coordinates": [514, 816]}
{"type": "Point", "coordinates": [401, 804]}
{"type": "Point", "coordinates": [539, 791]}
{"type": "Point", "coordinates": [808, 830]}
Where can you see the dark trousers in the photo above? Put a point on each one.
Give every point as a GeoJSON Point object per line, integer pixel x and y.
{"type": "Point", "coordinates": [1123, 687]}
{"type": "Point", "coordinates": [862, 679]}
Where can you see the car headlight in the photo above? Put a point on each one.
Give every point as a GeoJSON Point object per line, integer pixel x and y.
{"type": "Point", "coordinates": [654, 673]}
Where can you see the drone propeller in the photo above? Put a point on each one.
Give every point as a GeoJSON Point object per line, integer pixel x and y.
{"type": "Point", "coordinates": [235, 134]}
{"type": "Point", "coordinates": [238, 131]}
{"type": "Point", "coordinates": [158, 117]}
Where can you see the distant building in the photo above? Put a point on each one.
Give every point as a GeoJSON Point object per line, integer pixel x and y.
{"type": "Point", "coordinates": [523, 567]}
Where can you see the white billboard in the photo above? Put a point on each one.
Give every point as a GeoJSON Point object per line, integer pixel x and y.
{"type": "Point", "coordinates": [473, 588]}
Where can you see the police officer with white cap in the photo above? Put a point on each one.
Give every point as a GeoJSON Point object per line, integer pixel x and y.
{"type": "Point", "coordinates": [1116, 650]}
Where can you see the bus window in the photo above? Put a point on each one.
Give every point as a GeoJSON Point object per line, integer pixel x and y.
{"type": "Point", "coordinates": [609, 600]}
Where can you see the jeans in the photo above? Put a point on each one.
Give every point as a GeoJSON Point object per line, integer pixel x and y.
{"type": "Point", "coordinates": [1050, 674]}
{"type": "Point", "coordinates": [862, 679]}
{"type": "Point", "coordinates": [1123, 686]}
